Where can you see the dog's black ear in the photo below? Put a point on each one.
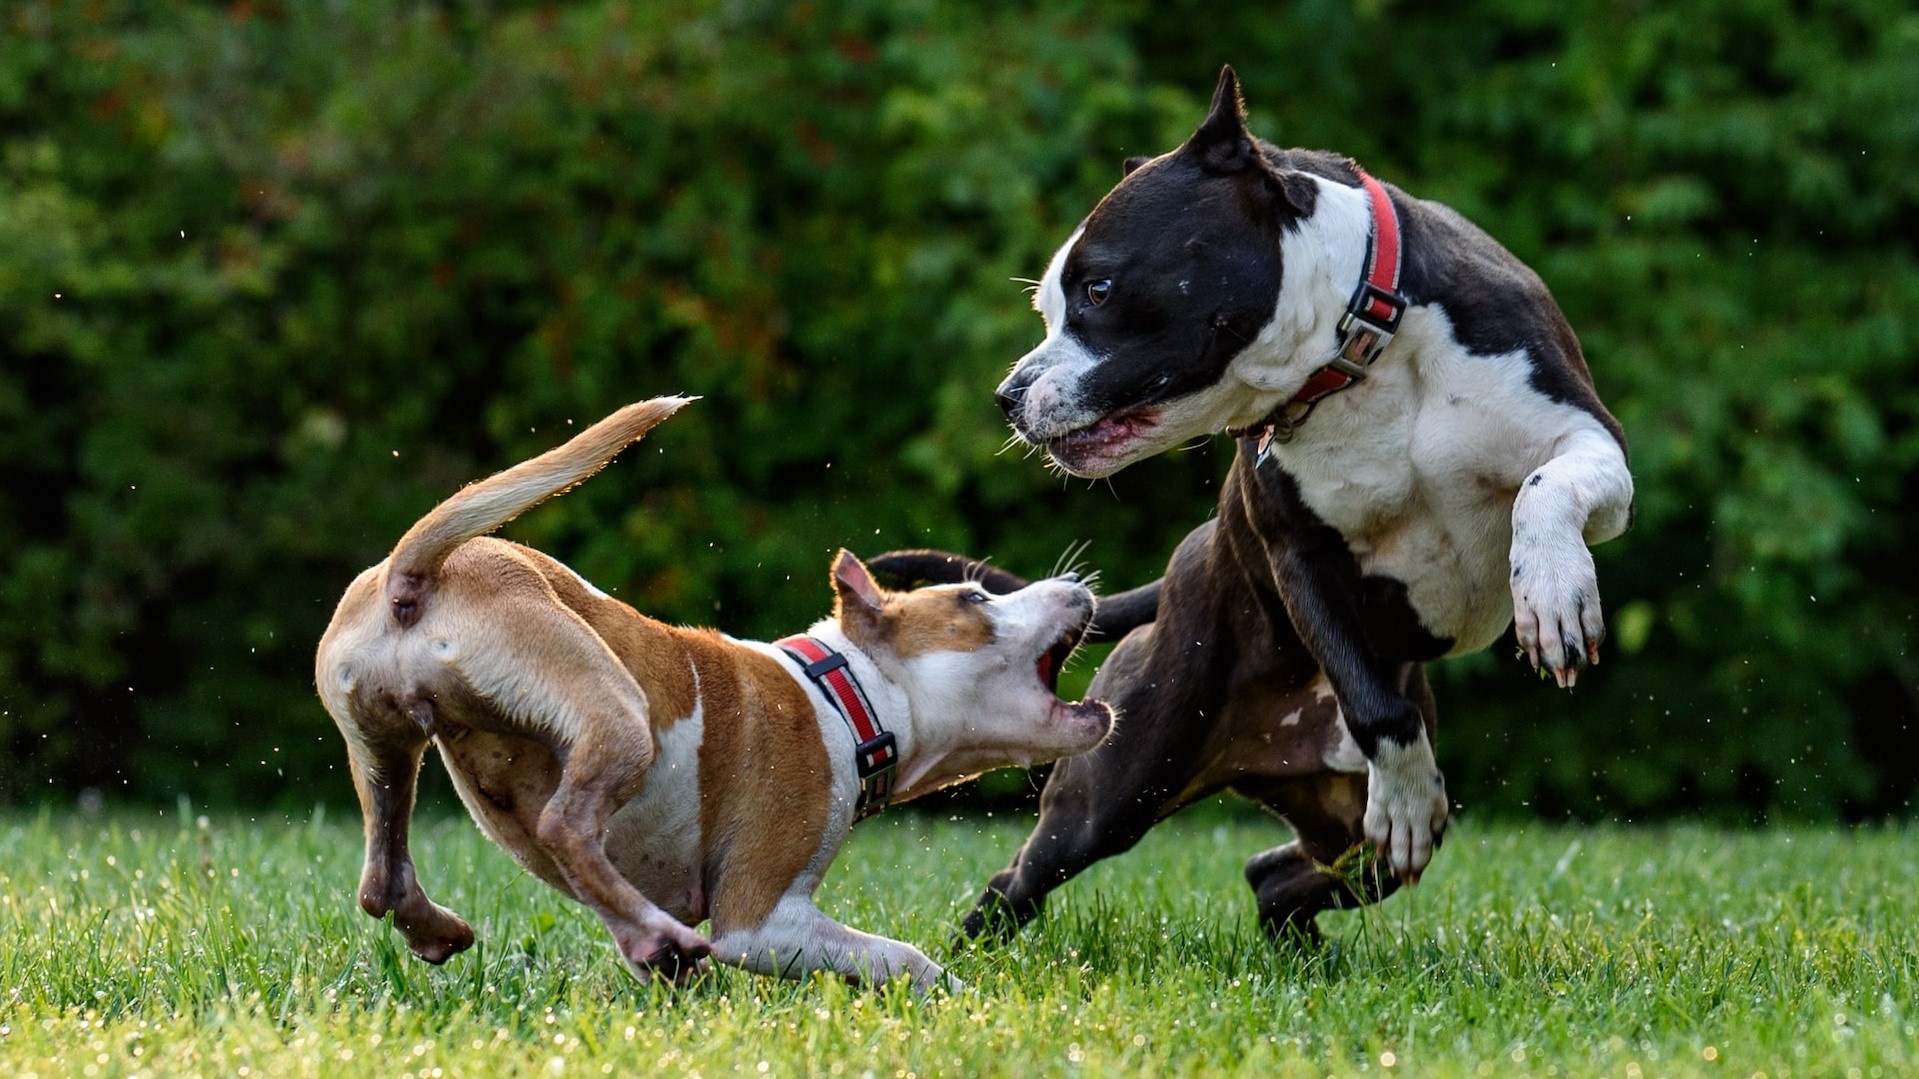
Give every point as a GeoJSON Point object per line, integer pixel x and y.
{"type": "Point", "coordinates": [1224, 146]}
{"type": "Point", "coordinates": [1222, 143]}
{"type": "Point", "coordinates": [857, 597]}
{"type": "Point", "coordinates": [1126, 168]}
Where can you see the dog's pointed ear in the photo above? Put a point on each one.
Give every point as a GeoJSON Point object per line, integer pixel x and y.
{"type": "Point", "coordinates": [857, 597]}
{"type": "Point", "coordinates": [1224, 146]}
{"type": "Point", "coordinates": [1132, 163]}
{"type": "Point", "coordinates": [1222, 143]}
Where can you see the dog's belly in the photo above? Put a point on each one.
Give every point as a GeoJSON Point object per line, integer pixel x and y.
{"type": "Point", "coordinates": [1273, 731]}
{"type": "Point", "coordinates": [654, 840]}
{"type": "Point", "coordinates": [505, 780]}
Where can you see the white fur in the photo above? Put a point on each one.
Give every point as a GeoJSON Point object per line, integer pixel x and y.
{"type": "Point", "coordinates": [1405, 804]}
{"type": "Point", "coordinates": [1323, 260]}
{"type": "Point", "coordinates": [1345, 754]}
{"type": "Point", "coordinates": [1580, 496]}
{"type": "Point", "coordinates": [797, 937]}
{"type": "Point", "coordinates": [1418, 468]}
{"type": "Point", "coordinates": [1049, 299]}
{"type": "Point", "coordinates": [1424, 468]}
{"type": "Point", "coordinates": [1063, 360]}
{"type": "Point", "coordinates": [654, 840]}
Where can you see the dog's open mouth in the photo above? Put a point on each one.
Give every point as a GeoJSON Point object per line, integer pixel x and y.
{"type": "Point", "coordinates": [1053, 660]}
{"type": "Point", "coordinates": [1049, 665]}
{"type": "Point", "coordinates": [1104, 439]}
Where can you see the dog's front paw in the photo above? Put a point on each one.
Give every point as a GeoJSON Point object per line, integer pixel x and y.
{"type": "Point", "coordinates": [942, 981]}
{"type": "Point", "coordinates": [1405, 806]}
{"type": "Point", "coordinates": [1556, 614]}
{"type": "Point", "coordinates": [669, 950]}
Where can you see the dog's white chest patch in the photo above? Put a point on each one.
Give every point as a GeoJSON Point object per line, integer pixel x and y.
{"type": "Point", "coordinates": [1418, 466]}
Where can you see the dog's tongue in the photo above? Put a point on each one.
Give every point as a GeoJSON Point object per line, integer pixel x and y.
{"type": "Point", "coordinates": [1047, 674]}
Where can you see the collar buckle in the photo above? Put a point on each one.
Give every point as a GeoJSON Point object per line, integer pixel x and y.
{"type": "Point", "coordinates": [1371, 319]}
{"type": "Point", "coordinates": [876, 756]}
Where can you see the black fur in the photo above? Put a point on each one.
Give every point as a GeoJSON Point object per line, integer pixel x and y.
{"type": "Point", "coordinates": [1226, 645]}
{"type": "Point", "coordinates": [1257, 604]}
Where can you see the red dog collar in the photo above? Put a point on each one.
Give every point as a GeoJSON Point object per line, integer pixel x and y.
{"type": "Point", "coordinates": [1372, 317]}
{"type": "Point", "coordinates": [875, 754]}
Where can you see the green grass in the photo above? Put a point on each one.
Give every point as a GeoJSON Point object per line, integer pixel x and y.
{"type": "Point", "coordinates": [160, 945]}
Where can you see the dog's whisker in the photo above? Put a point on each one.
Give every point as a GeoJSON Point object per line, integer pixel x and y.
{"type": "Point", "coordinates": [1069, 560]}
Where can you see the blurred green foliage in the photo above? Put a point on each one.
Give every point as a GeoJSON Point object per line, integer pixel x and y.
{"type": "Point", "coordinates": [275, 277]}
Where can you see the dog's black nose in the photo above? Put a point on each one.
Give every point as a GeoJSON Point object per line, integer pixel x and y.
{"type": "Point", "coordinates": [1009, 395]}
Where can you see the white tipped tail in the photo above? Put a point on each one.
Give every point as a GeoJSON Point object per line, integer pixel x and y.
{"type": "Point", "coordinates": [481, 507]}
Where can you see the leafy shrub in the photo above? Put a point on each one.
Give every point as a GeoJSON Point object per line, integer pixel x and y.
{"type": "Point", "coordinates": [275, 278]}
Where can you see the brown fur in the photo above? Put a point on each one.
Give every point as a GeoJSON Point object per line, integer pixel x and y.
{"type": "Point", "coordinates": [458, 635]}
{"type": "Point", "coordinates": [552, 703]}
{"type": "Point", "coordinates": [763, 784]}
{"type": "Point", "coordinates": [944, 621]}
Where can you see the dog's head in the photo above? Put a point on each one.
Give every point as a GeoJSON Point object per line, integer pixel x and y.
{"type": "Point", "coordinates": [1174, 273]}
{"type": "Point", "coordinates": [981, 671]}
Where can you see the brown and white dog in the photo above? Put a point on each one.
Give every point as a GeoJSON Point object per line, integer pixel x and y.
{"type": "Point", "coordinates": [665, 776]}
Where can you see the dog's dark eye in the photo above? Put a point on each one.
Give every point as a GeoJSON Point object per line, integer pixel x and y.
{"type": "Point", "coordinates": [976, 596]}
{"type": "Point", "coordinates": [1097, 291]}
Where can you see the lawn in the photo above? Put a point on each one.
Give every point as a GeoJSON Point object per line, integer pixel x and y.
{"type": "Point", "coordinates": [170, 944]}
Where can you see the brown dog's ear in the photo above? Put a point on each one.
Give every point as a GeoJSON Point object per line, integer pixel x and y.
{"type": "Point", "coordinates": [1126, 167]}
{"type": "Point", "coordinates": [857, 599]}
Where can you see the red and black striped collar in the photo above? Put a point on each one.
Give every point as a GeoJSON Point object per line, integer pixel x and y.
{"type": "Point", "coordinates": [1372, 317]}
{"type": "Point", "coordinates": [876, 755]}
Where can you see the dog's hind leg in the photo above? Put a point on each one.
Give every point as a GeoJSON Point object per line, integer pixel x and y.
{"type": "Point", "coordinates": [386, 771]}
{"type": "Point", "coordinates": [1328, 866]}
{"type": "Point", "coordinates": [386, 733]}
{"type": "Point", "coordinates": [541, 664]}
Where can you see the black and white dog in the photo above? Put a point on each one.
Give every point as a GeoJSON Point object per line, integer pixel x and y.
{"type": "Point", "coordinates": [1422, 459]}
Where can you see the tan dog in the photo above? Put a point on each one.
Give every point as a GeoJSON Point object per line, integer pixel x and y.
{"type": "Point", "coordinates": [660, 775]}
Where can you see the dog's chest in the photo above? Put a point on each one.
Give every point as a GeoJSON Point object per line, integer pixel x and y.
{"type": "Point", "coordinates": [1417, 469]}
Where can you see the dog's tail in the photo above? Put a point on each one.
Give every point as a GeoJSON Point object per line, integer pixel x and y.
{"type": "Point", "coordinates": [481, 507]}
{"type": "Point", "coordinates": [1113, 618]}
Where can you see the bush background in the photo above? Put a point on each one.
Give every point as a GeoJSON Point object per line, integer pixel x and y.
{"type": "Point", "coordinates": [275, 277]}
